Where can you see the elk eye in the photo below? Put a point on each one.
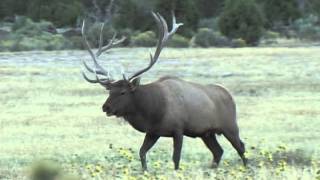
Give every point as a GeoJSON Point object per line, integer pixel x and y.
{"type": "Point", "coordinates": [123, 93]}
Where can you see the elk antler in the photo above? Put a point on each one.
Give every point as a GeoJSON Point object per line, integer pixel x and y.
{"type": "Point", "coordinates": [164, 36]}
{"type": "Point", "coordinates": [98, 69]}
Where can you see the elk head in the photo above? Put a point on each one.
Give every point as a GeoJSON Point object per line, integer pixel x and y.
{"type": "Point", "coordinates": [120, 101]}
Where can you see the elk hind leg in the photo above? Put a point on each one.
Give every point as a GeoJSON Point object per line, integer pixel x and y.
{"type": "Point", "coordinates": [234, 139]}
{"type": "Point", "coordinates": [211, 142]}
{"type": "Point", "coordinates": [177, 146]}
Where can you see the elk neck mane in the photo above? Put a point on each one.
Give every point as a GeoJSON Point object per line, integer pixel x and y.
{"type": "Point", "coordinates": [150, 102]}
{"type": "Point", "coordinates": [150, 106]}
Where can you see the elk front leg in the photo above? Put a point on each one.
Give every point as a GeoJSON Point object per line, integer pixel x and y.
{"type": "Point", "coordinates": [177, 146]}
{"type": "Point", "coordinates": [149, 141]}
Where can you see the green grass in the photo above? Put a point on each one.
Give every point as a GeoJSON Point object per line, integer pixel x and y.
{"type": "Point", "coordinates": [48, 111]}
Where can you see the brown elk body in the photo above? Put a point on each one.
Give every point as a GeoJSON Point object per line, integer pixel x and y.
{"type": "Point", "coordinates": [171, 107]}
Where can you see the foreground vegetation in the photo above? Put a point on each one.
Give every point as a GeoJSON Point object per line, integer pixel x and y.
{"type": "Point", "coordinates": [49, 112]}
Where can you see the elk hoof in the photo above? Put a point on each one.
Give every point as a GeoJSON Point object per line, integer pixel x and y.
{"type": "Point", "coordinates": [245, 162]}
{"type": "Point", "coordinates": [214, 165]}
{"type": "Point", "coordinates": [144, 169]}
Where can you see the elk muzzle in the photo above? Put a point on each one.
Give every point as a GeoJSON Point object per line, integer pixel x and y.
{"type": "Point", "coordinates": [108, 110]}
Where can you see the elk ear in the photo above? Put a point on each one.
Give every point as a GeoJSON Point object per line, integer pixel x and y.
{"type": "Point", "coordinates": [135, 83]}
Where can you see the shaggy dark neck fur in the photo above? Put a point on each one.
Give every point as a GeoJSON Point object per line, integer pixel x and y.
{"type": "Point", "coordinates": [149, 107]}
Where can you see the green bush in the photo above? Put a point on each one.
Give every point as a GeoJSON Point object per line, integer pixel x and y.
{"type": "Point", "coordinates": [308, 28]}
{"type": "Point", "coordinates": [149, 39]}
{"type": "Point", "coordinates": [238, 43]}
{"type": "Point", "coordinates": [271, 35]}
{"type": "Point", "coordinates": [6, 45]}
{"type": "Point", "coordinates": [206, 38]}
{"type": "Point", "coordinates": [41, 42]}
{"type": "Point", "coordinates": [26, 26]}
{"type": "Point", "coordinates": [145, 39]}
{"type": "Point", "coordinates": [76, 42]}
{"type": "Point", "coordinates": [28, 35]}
{"type": "Point", "coordinates": [220, 40]}
{"type": "Point", "coordinates": [242, 19]}
{"type": "Point", "coordinates": [178, 41]}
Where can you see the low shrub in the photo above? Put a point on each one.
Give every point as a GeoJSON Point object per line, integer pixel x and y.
{"type": "Point", "coordinates": [6, 45]}
{"type": "Point", "coordinates": [76, 42]}
{"type": "Point", "coordinates": [178, 41]}
{"type": "Point", "coordinates": [271, 35]}
{"type": "Point", "coordinates": [220, 40]}
{"type": "Point", "coordinates": [206, 38]}
{"type": "Point", "coordinates": [145, 39]}
{"type": "Point", "coordinates": [307, 28]}
{"type": "Point", "coordinates": [238, 43]}
{"type": "Point", "coordinates": [41, 42]}
{"type": "Point", "coordinates": [28, 35]}
{"type": "Point", "coordinates": [26, 26]}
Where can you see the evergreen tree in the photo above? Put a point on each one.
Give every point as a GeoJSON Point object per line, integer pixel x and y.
{"type": "Point", "coordinates": [130, 14]}
{"type": "Point", "coordinates": [185, 10]}
{"type": "Point", "coordinates": [60, 12]}
{"type": "Point", "coordinates": [280, 11]}
{"type": "Point", "coordinates": [10, 8]}
{"type": "Point", "coordinates": [210, 8]}
{"type": "Point", "coordinates": [242, 19]}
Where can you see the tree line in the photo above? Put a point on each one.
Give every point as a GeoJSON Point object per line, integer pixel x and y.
{"type": "Point", "coordinates": [245, 19]}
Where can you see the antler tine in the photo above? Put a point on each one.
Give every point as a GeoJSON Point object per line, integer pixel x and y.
{"type": "Point", "coordinates": [97, 80]}
{"type": "Point", "coordinates": [100, 39]}
{"type": "Point", "coordinates": [103, 81]}
{"type": "Point", "coordinates": [175, 25]}
{"type": "Point", "coordinates": [164, 36]}
{"type": "Point", "coordinates": [84, 37]}
{"type": "Point", "coordinates": [98, 68]}
{"type": "Point", "coordinates": [87, 67]}
{"type": "Point", "coordinates": [88, 79]}
{"type": "Point", "coordinates": [113, 42]}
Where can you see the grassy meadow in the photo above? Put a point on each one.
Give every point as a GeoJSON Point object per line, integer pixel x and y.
{"type": "Point", "coordinates": [48, 111]}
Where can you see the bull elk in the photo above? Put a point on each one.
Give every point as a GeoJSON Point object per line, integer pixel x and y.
{"type": "Point", "coordinates": [170, 106]}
